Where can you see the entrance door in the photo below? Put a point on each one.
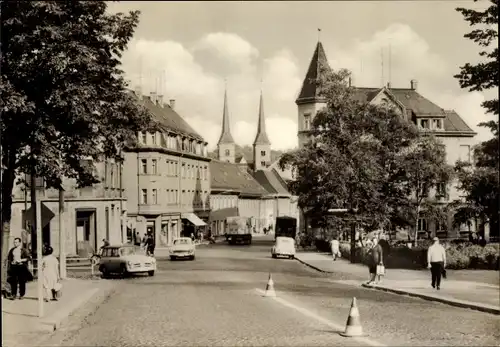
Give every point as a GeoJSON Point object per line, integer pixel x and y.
{"type": "Point", "coordinates": [86, 238]}
{"type": "Point", "coordinates": [150, 229]}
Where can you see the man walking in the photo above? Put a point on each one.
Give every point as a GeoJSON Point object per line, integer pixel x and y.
{"type": "Point", "coordinates": [436, 260]}
{"type": "Point", "coordinates": [18, 268]}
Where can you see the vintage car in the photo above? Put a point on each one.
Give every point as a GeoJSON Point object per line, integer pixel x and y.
{"type": "Point", "coordinates": [124, 260]}
{"type": "Point", "coordinates": [182, 247]}
{"type": "Point", "coordinates": [284, 247]}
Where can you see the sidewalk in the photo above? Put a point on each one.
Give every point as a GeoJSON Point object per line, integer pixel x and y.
{"type": "Point", "coordinates": [474, 289]}
{"type": "Point", "coordinates": [20, 317]}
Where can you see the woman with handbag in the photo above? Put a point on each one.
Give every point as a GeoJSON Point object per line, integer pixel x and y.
{"type": "Point", "coordinates": [375, 262]}
{"type": "Point", "coordinates": [50, 275]}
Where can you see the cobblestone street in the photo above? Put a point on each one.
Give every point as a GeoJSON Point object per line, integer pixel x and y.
{"type": "Point", "coordinates": [214, 301]}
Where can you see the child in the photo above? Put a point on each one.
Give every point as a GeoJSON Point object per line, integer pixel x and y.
{"type": "Point", "coordinates": [50, 274]}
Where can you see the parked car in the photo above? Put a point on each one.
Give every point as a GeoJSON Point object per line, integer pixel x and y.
{"type": "Point", "coordinates": [124, 259]}
{"type": "Point", "coordinates": [182, 247]}
{"type": "Point", "coordinates": [284, 247]}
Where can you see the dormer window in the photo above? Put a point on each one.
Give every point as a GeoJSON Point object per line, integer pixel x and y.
{"type": "Point", "coordinates": [424, 123]}
{"type": "Point", "coordinates": [153, 138]}
{"type": "Point", "coordinates": [144, 138]}
{"type": "Point", "coordinates": [307, 121]}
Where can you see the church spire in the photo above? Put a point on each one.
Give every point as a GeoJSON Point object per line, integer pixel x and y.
{"type": "Point", "coordinates": [310, 89]}
{"type": "Point", "coordinates": [225, 136]}
{"type": "Point", "coordinates": [261, 137]}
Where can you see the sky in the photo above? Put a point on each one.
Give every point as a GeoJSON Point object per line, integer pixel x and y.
{"type": "Point", "coordinates": [191, 51]}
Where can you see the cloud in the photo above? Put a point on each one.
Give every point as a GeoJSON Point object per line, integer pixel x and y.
{"type": "Point", "coordinates": [195, 78]}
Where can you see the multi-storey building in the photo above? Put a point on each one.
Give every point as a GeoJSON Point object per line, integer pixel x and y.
{"type": "Point", "coordinates": [446, 125]}
{"type": "Point", "coordinates": [166, 177]}
{"type": "Point", "coordinates": [90, 213]}
{"type": "Point", "coordinates": [246, 187]}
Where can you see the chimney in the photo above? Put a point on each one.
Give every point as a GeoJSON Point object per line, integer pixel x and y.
{"type": "Point", "coordinates": [159, 100]}
{"type": "Point", "coordinates": [153, 97]}
{"type": "Point", "coordinates": [414, 84]}
{"type": "Point", "coordinates": [350, 81]}
{"type": "Point", "coordinates": [172, 104]}
{"type": "Point", "coordinates": [389, 85]}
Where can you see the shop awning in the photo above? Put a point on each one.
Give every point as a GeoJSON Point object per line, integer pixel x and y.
{"type": "Point", "coordinates": [193, 219]}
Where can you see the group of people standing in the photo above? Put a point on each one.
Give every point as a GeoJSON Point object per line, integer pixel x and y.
{"type": "Point", "coordinates": [18, 273]}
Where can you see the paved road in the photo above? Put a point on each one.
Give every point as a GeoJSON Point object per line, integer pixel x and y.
{"type": "Point", "coordinates": [213, 301]}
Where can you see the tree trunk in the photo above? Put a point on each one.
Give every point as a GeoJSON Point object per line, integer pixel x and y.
{"type": "Point", "coordinates": [416, 225]}
{"type": "Point", "coordinates": [8, 178]}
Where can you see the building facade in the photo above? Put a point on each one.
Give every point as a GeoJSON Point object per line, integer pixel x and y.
{"type": "Point", "coordinates": [90, 213]}
{"type": "Point", "coordinates": [166, 178]}
{"type": "Point", "coordinates": [446, 125]}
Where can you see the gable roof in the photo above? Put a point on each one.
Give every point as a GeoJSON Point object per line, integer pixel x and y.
{"type": "Point", "coordinates": [229, 177]}
{"type": "Point", "coordinates": [169, 120]}
{"type": "Point", "coordinates": [272, 182]}
{"type": "Point", "coordinates": [310, 89]}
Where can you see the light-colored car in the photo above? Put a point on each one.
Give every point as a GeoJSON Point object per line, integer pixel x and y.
{"type": "Point", "coordinates": [284, 247]}
{"type": "Point", "coordinates": [182, 247]}
{"type": "Point", "coordinates": [125, 260]}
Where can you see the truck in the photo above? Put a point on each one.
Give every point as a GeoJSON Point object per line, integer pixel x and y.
{"type": "Point", "coordinates": [238, 230]}
{"type": "Point", "coordinates": [285, 226]}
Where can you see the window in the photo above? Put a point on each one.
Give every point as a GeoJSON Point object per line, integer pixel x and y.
{"type": "Point", "coordinates": [153, 138]}
{"type": "Point", "coordinates": [144, 196]}
{"type": "Point", "coordinates": [263, 163]}
{"type": "Point", "coordinates": [465, 153]}
{"type": "Point", "coordinates": [437, 124]}
{"type": "Point", "coordinates": [206, 173]}
{"type": "Point", "coordinates": [441, 189]}
{"type": "Point", "coordinates": [175, 168]}
{"type": "Point", "coordinates": [263, 153]}
{"type": "Point", "coordinates": [144, 136]}
{"type": "Point", "coordinates": [112, 176]}
{"type": "Point", "coordinates": [307, 121]}
{"type": "Point", "coordinates": [183, 197]}
{"type": "Point", "coordinates": [188, 171]}
{"type": "Point", "coordinates": [227, 152]}
{"type": "Point", "coordinates": [154, 166]}
{"type": "Point", "coordinates": [441, 225]}
{"type": "Point", "coordinates": [424, 123]}
{"type": "Point", "coordinates": [183, 170]}
{"type": "Point", "coordinates": [144, 166]}
{"type": "Point", "coordinates": [422, 224]}
{"type": "Point", "coordinates": [154, 196]}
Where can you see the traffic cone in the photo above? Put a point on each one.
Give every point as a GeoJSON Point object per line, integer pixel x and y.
{"type": "Point", "coordinates": [270, 288]}
{"type": "Point", "coordinates": [353, 326]}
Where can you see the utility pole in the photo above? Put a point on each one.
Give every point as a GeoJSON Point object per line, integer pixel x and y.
{"type": "Point", "coordinates": [37, 210]}
{"type": "Point", "coordinates": [62, 235]}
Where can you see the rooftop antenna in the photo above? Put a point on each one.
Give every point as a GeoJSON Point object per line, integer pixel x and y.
{"type": "Point", "coordinates": [390, 63]}
{"type": "Point", "coordinates": [382, 65]}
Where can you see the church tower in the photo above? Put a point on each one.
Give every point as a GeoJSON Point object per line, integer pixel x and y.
{"type": "Point", "coordinates": [309, 101]}
{"type": "Point", "coordinates": [261, 145]}
{"type": "Point", "coordinates": [226, 147]}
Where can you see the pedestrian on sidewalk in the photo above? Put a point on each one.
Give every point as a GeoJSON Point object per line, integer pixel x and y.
{"type": "Point", "coordinates": [17, 272]}
{"type": "Point", "coordinates": [436, 261]}
{"type": "Point", "coordinates": [51, 277]}
{"type": "Point", "coordinates": [335, 246]}
{"type": "Point", "coordinates": [375, 257]}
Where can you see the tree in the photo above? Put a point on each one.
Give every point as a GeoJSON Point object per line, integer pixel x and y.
{"type": "Point", "coordinates": [480, 181]}
{"type": "Point", "coordinates": [423, 170]}
{"type": "Point", "coordinates": [353, 163]}
{"type": "Point", "coordinates": [63, 95]}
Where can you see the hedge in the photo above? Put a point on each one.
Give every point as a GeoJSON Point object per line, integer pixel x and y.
{"type": "Point", "coordinates": [459, 255]}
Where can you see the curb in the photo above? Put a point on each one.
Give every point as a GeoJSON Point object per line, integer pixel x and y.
{"type": "Point", "coordinates": [312, 266]}
{"type": "Point", "coordinates": [451, 302]}
{"type": "Point", "coordinates": [54, 321]}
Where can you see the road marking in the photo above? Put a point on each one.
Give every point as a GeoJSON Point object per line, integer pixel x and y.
{"type": "Point", "coordinates": [325, 321]}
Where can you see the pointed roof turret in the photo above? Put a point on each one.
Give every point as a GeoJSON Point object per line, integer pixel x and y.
{"type": "Point", "coordinates": [310, 88]}
{"type": "Point", "coordinates": [225, 136]}
{"type": "Point", "coordinates": [261, 137]}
